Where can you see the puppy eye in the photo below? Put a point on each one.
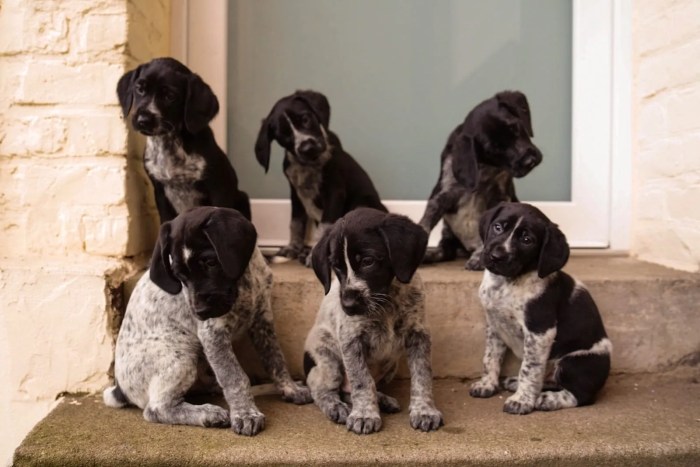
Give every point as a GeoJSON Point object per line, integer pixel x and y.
{"type": "Point", "coordinates": [498, 228]}
{"type": "Point", "coordinates": [367, 262]}
{"type": "Point", "coordinates": [140, 88]}
{"type": "Point", "coordinates": [526, 239]}
{"type": "Point", "coordinates": [305, 120]}
{"type": "Point", "coordinates": [168, 96]}
{"type": "Point", "coordinates": [209, 263]}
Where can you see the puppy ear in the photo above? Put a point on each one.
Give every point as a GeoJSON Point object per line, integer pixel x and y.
{"type": "Point", "coordinates": [554, 252]}
{"type": "Point", "coordinates": [201, 105]}
{"type": "Point", "coordinates": [320, 257]}
{"type": "Point", "coordinates": [262, 144]}
{"type": "Point", "coordinates": [318, 103]}
{"type": "Point", "coordinates": [464, 165]}
{"type": "Point", "coordinates": [516, 103]}
{"type": "Point", "coordinates": [125, 89]}
{"type": "Point", "coordinates": [406, 243]}
{"type": "Point", "coordinates": [487, 218]}
{"type": "Point", "coordinates": [233, 238]}
{"type": "Point", "coordinates": [161, 272]}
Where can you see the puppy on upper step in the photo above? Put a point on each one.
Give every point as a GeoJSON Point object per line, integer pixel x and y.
{"type": "Point", "coordinates": [477, 166]}
{"type": "Point", "coordinates": [207, 285]}
{"type": "Point", "coordinates": [546, 317]}
{"type": "Point", "coordinates": [373, 312]}
{"type": "Point", "coordinates": [173, 108]}
{"type": "Point", "coordinates": [325, 181]}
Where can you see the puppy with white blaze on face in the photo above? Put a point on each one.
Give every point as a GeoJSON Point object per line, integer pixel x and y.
{"type": "Point", "coordinates": [546, 317]}
{"type": "Point", "coordinates": [208, 284]}
{"type": "Point", "coordinates": [373, 312]}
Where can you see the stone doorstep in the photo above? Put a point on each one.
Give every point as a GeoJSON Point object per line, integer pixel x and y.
{"type": "Point", "coordinates": [650, 313]}
{"type": "Point", "coordinates": [651, 419]}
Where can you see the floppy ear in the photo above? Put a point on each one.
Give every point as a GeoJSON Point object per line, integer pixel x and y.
{"type": "Point", "coordinates": [320, 257]}
{"type": "Point", "coordinates": [487, 218]}
{"type": "Point", "coordinates": [464, 165]}
{"type": "Point", "coordinates": [554, 253]}
{"type": "Point", "coordinates": [318, 103]}
{"type": "Point", "coordinates": [160, 272]}
{"type": "Point", "coordinates": [262, 144]}
{"type": "Point", "coordinates": [201, 105]}
{"type": "Point", "coordinates": [516, 103]}
{"type": "Point", "coordinates": [406, 242]}
{"type": "Point", "coordinates": [125, 89]}
{"type": "Point", "coordinates": [233, 238]}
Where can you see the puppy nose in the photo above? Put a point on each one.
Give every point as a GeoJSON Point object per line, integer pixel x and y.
{"type": "Point", "coordinates": [145, 119]}
{"type": "Point", "coordinates": [530, 160]}
{"type": "Point", "coordinates": [349, 298]}
{"type": "Point", "coordinates": [497, 255]}
{"type": "Point", "coordinates": [309, 148]}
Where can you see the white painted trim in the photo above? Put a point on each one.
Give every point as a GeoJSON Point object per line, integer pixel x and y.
{"type": "Point", "coordinates": [601, 140]}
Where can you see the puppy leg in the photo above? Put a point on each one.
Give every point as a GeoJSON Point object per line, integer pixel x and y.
{"type": "Point", "coordinates": [494, 352]}
{"type": "Point", "coordinates": [166, 393]}
{"type": "Point", "coordinates": [364, 417]}
{"type": "Point", "coordinates": [305, 256]}
{"type": "Point", "coordinates": [216, 340]}
{"type": "Point", "coordinates": [474, 262]}
{"type": "Point", "coordinates": [434, 209]}
{"type": "Point", "coordinates": [297, 229]}
{"type": "Point", "coordinates": [532, 371]}
{"type": "Point", "coordinates": [388, 404]}
{"type": "Point", "coordinates": [580, 377]}
{"type": "Point", "coordinates": [446, 249]}
{"type": "Point", "coordinates": [423, 414]}
{"type": "Point", "coordinates": [262, 334]}
{"type": "Point", "coordinates": [324, 377]}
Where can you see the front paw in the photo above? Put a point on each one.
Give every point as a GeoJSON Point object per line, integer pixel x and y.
{"type": "Point", "coordinates": [297, 394]}
{"type": "Point", "coordinates": [247, 422]}
{"type": "Point", "coordinates": [364, 422]}
{"type": "Point", "coordinates": [290, 251]}
{"type": "Point", "coordinates": [474, 264]}
{"type": "Point", "coordinates": [305, 258]}
{"type": "Point", "coordinates": [427, 418]}
{"type": "Point", "coordinates": [337, 411]}
{"type": "Point", "coordinates": [518, 404]}
{"type": "Point", "coordinates": [483, 388]}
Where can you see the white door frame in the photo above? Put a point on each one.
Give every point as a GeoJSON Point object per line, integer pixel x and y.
{"type": "Point", "coordinates": [598, 215]}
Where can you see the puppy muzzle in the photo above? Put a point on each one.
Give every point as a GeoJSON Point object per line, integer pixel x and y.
{"type": "Point", "coordinates": [352, 302]}
{"type": "Point", "coordinates": [499, 261]}
{"type": "Point", "coordinates": [530, 159]}
{"type": "Point", "coordinates": [310, 150]}
{"type": "Point", "coordinates": [210, 306]}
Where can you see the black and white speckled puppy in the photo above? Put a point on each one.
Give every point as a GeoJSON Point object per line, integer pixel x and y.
{"type": "Point", "coordinates": [325, 181]}
{"type": "Point", "coordinates": [372, 312]}
{"type": "Point", "coordinates": [207, 285]}
{"type": "Point", "coordinates": [547, 318]}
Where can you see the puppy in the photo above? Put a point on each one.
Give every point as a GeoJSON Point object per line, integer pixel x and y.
{"type": "Point", "coordinates": [173, 108]}
{"type": "Point", "coordinates": [477, 166]}
{"type": "Point", "coordinates": [207, 285]}
{"type": "Point", "coordinates": [538, 311]}
{"type": "Point", "coordinates": [373, 311]}
{"type": "Point", "coordinates": [326, 182]}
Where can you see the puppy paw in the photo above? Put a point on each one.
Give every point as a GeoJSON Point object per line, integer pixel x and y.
{"type": "Point", "coordinates": [388, 404]}
{"type": "Point", "coordinates": [214, 416]}
{"type": "Point", "coordinates": [306, 260]}
{"type": "Point", "coordinates": [426, 418]}
{"type": "Point", "coordinates": [297, 394]}
{"type": "Point", "coordinates": [290, 251]}
{"type": "Point", "coordinates": [364, 422]}
{"type": "Point", "coordinates": [510, 383]}
{"type": "Point", "coordinates": [519, 405]}
{"type": "Point", "coordinates": [474, 264]}
{"type": "Point", "coordinates": [483, 388]}
{"type": "Point", "coordinates": [337, 412]}
{"type": "Point", "coordinates": [247, 422]}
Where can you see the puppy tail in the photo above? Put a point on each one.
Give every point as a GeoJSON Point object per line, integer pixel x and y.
{"type": "Point", "coordinates": [114, 397]}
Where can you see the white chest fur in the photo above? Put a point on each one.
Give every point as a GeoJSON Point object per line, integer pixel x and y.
{"type": "Point", "coordinates": [504, 301]}
{"type": "Point", "coordinates": [166, 161]}
{"type": "Point", "coordinates": [307, 184]}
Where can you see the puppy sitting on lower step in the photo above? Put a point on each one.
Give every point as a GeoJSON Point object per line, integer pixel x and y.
{"type": "Point", "coordinates": [207, 285]}
{"type": "Point", "coordinates": [373, 311]}
{"type": "Point", "coordinates": [547, 318]}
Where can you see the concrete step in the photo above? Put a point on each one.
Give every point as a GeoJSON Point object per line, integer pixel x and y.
{"type": "Point", "coordinates": [638, 420]}
{"type": "Point", "coordinates": [650, 313]}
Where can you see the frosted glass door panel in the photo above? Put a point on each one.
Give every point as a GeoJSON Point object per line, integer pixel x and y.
{"type": "Point", "coordinates": [400, 75]}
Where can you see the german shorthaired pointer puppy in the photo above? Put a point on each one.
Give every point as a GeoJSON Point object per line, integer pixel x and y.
{"type": "Point", "coordinates": [547, 318]}
{"type": "Point", "coordinates": [207, 285]}
{"type": "Point", "coordinates": [477, 166]}
{"type": "Point", "coordinates": [373, 311]}
{"type": "Point", "coordinates": [173, 108]}
{"type": "Point", "coordinates": [326, 182]}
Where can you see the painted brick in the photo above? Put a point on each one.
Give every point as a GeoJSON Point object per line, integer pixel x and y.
{"type": "Point", "coordinates": [101, 33]}
{"type": "Point", "coordinates": [38, 134]}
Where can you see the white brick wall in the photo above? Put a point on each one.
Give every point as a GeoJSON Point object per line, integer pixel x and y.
{"type": "Point", "coordinates": [666, 217]}
{"type": "Point", "coordinates": [74, 203]}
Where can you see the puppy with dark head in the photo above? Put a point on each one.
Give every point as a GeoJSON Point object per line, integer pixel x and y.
{"type": "Point", "coordinates": [207, 285]}
{"type": "Point", "coordinates": [547, 318]}
{"type": "Point", "coordinates": [373, 312]}
{"type": "Point", "coordinates": [477, 167]}
{"type": "Point", "coordinates": [325, 181]}
{"type": "Point", "coordinates": [172, 107]}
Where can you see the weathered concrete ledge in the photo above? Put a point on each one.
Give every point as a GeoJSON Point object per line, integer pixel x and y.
{"type": "Point", "coordinates": [650, 313]}
{"type": "Point", "coordinates": [638, 420]}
